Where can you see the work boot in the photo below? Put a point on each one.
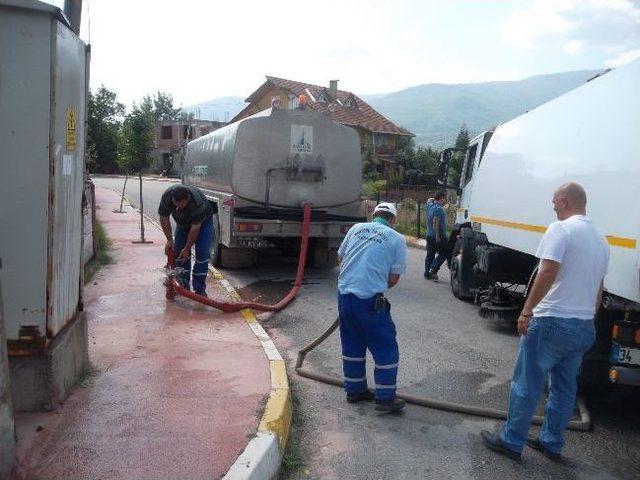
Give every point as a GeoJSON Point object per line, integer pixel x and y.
{"type": "Point", "coordinates": [390, 406]}
{"type": "Point", "coordinates": [432, 276]}
{"type": "Point", "coordinates": [536, 444]}
{"type": "Point", "coordinates": [495, 443]}
{"type": "Point", "coordinates": [202, 293]}
{"type": "Point", "coordinates": [359, 397]}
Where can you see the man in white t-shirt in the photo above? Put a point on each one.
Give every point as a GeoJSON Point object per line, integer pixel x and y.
{"type": "Point", "coordinates": [557, 327]}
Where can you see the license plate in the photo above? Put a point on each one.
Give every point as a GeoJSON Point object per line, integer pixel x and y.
{"type": "Point", "coordinates": [626, 355]}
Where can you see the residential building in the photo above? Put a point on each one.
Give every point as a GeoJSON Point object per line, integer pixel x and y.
{"type": "Point", "coordinates": [380, 139]}
{"type": "Point", "coordinates": [171, 135]}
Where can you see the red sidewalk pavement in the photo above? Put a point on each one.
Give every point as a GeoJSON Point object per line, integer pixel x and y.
{"type": "Point", "coordinates": [177, 391]}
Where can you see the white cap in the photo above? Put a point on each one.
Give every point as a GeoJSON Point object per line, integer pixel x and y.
{"type": "Point", "coordinates": [386, 207]}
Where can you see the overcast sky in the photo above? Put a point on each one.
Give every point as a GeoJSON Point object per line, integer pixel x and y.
{"type": "Point", "coordinates": [201, 50]}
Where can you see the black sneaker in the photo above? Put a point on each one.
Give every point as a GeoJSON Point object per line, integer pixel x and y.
{"type": "Point", "coordinates": [495, 443]}
{"type": "Point", "coordinates": [536, 444]}
{"type": "Point", "coordinates": [390, 406]}
{"type": "Point", "coordinates": [360, 397]}
{"type": "Point", "coordinates": [202, 294]}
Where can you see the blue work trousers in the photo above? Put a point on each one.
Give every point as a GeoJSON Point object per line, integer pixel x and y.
{"type": "Point", "coordinates": [553, 349]}
{"type": "Point", "coordinates": [432, 263]}
{"type": "Point", "coordinates": [362, 328]}
{"type": "Point", "coordinates": [201, 264]}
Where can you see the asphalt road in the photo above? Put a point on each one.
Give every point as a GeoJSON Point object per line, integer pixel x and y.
{"type": "Point", "coordinates": [447, 351]}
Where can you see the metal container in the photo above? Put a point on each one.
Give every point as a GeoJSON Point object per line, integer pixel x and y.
{"type": "Point", "coordinates": [42, 121]}
{"type": "Point", "coordinates": [280, 158]}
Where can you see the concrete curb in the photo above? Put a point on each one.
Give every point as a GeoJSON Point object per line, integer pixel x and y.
{"type": "Point", "coordinates": [263, 454]}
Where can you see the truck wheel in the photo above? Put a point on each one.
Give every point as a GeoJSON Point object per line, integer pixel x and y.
{"type": "Point", "coordinates": [593, 378]}
{"type": "Point", "coordinates": [237, 257]}
{"type": "Point", "coordinates": [454, 274]}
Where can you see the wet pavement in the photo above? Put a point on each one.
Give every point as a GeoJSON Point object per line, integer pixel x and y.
{"type": "Point", "coordinates": [447, 351]}
{"type": "Point", "coordinates": [176, 389]}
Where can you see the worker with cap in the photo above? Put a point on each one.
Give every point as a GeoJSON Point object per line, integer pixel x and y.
{"type": "Point", "coordinates": [372, 258]}
{"type": "Point", "coordinates": [193, 215]}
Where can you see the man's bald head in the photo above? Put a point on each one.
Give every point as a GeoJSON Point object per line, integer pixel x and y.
{"type": "Point", "coordinates": [570, 199]}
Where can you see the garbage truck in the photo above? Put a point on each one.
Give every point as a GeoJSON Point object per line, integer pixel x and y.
{"type": "Point", "coordinates": [590, 135]}
{"type": "Point", "coordinates": [260, 171]}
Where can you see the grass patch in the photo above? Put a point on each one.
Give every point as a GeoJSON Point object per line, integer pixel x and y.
{"type": "Point", "coordinates": [87, 377]}
{"type": "Point", "coordinates": [101, 257]}
{"type": "Point", "coordinates": [295, 450]}
{"type": "Point", "coordinates": [291, 460]}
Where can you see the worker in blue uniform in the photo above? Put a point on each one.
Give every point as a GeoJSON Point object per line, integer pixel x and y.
{"type": "Point", "coordinates": [372, 258]}
{"type": "Point", "coordinates": [193, 215]}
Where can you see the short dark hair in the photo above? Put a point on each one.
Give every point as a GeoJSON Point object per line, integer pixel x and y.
{"type": "Point", "coordinates": [440, 195]}
{"type": "Point", "coordinates": [179, 193]}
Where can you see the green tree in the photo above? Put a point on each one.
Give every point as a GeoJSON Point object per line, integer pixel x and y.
{"type": "Point", "coordinates": [104, 122]}
{"type": "Point", "coordinates": [184, 116]}
{"type": "Point", "coordinates": [138, 134]}
{"type": "Point", "coordinates": [419, 164]}
{"type": "Point", "coordinates": [457, 159]}
{"type": "Point", "coordinates": [163, 106]}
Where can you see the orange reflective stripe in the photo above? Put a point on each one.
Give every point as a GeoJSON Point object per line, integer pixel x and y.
{"type": "Point", "coordinates": [613, 240]}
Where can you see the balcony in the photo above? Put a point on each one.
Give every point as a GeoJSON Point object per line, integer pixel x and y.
{"type": "Point", "coordinates": [386, 150]}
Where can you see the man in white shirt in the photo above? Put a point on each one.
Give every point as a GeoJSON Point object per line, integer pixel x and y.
{"type": "Point", "coordinates": [557, 327]}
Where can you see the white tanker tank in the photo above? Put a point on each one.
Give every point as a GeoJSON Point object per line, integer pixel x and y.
{"type": "Point", "coordinates": [258, 172]}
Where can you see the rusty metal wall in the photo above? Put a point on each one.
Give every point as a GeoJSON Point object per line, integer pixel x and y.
{"type": "Point", "coordinates": [67, 177]}
{"type": "Point", "coordinates": [25, 56]}
{"type": "Point", "coordinates": [42, 109]}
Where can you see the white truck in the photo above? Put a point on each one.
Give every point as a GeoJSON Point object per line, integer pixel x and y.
{"type": "Point", "coordinates": [590, 135]}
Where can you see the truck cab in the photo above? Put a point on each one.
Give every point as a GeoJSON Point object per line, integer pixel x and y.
{"type": "Point", "coordinates": [472, 161]}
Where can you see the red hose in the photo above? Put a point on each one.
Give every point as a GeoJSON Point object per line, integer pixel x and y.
{"type": "Point", "coordinates": [174, 287]}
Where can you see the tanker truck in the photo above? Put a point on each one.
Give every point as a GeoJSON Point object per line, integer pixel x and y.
{"type": "Point", "coordinates": [260, 171]}
{"type": "Point", "coordinates": [590, 135]}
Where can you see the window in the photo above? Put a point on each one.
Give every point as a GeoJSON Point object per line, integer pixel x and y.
{"type": "Point", "coordinates": [166, 132]}
{"type": "Point", "coordinates": [293, 102]}
{"type": "Point", "coordinates": [469, 163]}
{"type": "Point", "coordinates": [322, 98]}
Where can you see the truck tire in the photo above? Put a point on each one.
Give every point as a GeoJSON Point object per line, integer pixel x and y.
{"type": "Point", "coordinates": [461, 267]}
{"type": "Point", "coordinates": [593, 378]}
{"type": "Point", "coordinates": [237, 257]}
{"type": "Point", "coordinates": [454, 275]}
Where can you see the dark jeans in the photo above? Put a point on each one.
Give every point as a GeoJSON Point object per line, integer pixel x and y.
{"type": "Point", "coordinates": [432, 263]}
{"type": "Point", "coordinates": [201, 264]}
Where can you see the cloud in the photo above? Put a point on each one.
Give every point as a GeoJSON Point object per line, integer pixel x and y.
{"type": "Point", "coordinates": [609, 27]}
{"type": "Point", "coordinates": [623, 58]}
{"type": "Point", "coordinates": [573, 47]}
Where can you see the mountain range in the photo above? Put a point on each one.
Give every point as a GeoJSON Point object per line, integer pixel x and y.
{"type": "Point", "coordinates": [436, 112]}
